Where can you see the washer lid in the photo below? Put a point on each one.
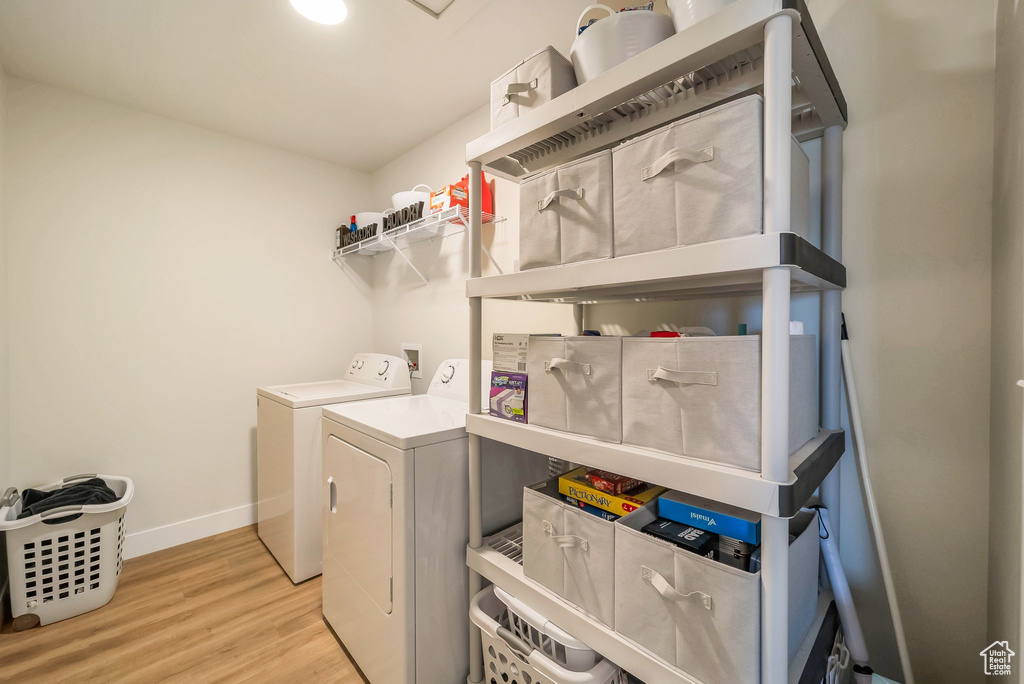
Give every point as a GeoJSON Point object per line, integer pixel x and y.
{"type": "Point", "coordinates": [329, 392]}
{"type": "Point", "coordinates": [404, 422]}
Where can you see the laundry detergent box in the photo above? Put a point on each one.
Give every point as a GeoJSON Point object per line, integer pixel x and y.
{"type": "Point", "coordinates": [725, 520]}
{"type": "Point", "coordinates": [508, 396]}
{"type": "Point", "coordinates": [574, 484]}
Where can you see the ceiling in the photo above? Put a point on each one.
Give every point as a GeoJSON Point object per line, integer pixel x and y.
{"type": "Point", "coordinates": [358, 94]}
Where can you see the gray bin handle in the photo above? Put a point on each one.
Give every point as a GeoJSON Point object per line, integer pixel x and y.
{"type": "Point", "coordinates": [83, 476]}
{"type": "Point", "coordinates": [521, 648]}
{"type": "Point", "coordinates": [63, 510]}
{"type": "Point", "coordinates": [10, 497]}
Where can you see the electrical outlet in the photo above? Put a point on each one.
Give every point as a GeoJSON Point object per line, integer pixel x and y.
{"type": "Point", "coordinates": [413, 355]}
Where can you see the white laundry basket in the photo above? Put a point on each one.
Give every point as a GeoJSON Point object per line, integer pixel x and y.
{"type": "Point", "coordinates": [509, 659]}
{"type": "Point", "coordinates": [62, 569]}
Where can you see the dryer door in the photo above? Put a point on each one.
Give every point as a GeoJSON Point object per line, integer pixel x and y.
{"type": "Point", "coordinates": [359, 518]}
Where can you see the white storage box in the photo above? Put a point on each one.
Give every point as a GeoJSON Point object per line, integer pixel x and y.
{"type": "Point", "coordinates": [539, 78]}
{"type": "Point", "coordinates": [699, 180]}
{"type": "Point", "coordinates": [575, 385]}
{"type": "Point", "coordinates": [510, 659]}
{"type": "Point", "coordinates": [565, 214]}
{"type": "Point", "coordinates": [700, 397]}
{"type": "Point", "coordinates": [62, 568]}
{"type": "Point", "coordinates": [569, 551]}
{"type": "Point", "coordinates": [700, 615]}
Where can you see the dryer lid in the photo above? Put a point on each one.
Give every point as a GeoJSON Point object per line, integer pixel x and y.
{"type": "Point", "coordinates": [404, 422]}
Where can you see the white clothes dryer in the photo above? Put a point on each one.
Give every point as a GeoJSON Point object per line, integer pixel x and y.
{"type": "Point", "coordinates": [396, 478]}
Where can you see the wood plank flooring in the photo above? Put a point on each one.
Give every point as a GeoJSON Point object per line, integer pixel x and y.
{"type": "Point", "coordinates": [216, 610]}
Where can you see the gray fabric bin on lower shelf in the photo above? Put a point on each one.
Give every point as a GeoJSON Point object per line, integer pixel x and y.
{"type": "Point", "coordinates": [575, 385]}
{"type": "Point", "coordinates": [700, 397]}
{"type": "Point", "coordinates": [569, 551]}
{"type": "Point", "coordinates": [700, 615]}
{"type": "Point", "coordinates": [700, 179]}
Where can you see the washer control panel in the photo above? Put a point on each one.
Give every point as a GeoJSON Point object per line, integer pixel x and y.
{"type": "Point", "coordinates": [378, 370]}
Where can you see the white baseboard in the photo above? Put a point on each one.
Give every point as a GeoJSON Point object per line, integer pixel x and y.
{"type": "Point", "coordinates": [158, 538]}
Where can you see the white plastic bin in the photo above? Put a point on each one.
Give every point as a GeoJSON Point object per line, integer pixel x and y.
{"type": "Point", "coordinates": [699, 180]}
{"type": "Point", "coordinates": [509, 659]}
{"type": "Point", "coordinates": [615, 38]}
{"type": "Point", "coordinates": [700, 615]}
{"type": "Point", "coordinates": [686, 13]}
{"type": "Point", "coordinates": [547, 637]}
{"type": "Point", "coordinates": [64, 569]}
{"type": "Point", "coordinates": [700, 397]}
{"type": "Point", "coordinates": [538, 79]}
{"type": "Point", "coordinates": [569, 551]}
{"type": "Point", "coordinates": [575, 385]}
{"type": "Point", "coordinates": [565, 214]}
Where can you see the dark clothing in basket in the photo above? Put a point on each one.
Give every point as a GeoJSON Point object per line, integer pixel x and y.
{"type": "Point", "coordinates": [84, 493]}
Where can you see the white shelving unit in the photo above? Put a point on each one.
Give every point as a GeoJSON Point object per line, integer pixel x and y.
{"type": "Point", "coordinates": [764, 46]}
{"type": "Point", "coordinates": [451, 221]}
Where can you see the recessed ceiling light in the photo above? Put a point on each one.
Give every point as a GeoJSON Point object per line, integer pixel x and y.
{"type": "Point", "coordinates": [322, 11]}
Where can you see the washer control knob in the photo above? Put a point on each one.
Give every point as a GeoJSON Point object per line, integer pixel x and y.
{"type": "Point", "coordinates": [359, 364]}
{"type": "Point", "coordinates": [383, 368]}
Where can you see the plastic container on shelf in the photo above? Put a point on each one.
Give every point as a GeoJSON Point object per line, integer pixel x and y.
{"type": "Point", "coordinates": [406, 198]}
{"type": "Point", "coordinates": [615, 38]}
{"type": "Point", "coordinates": [511, 659]}
{"type": "Point", "coordinates": [686, 13]}
{"type": "Point", "coordinates": [60, 568]}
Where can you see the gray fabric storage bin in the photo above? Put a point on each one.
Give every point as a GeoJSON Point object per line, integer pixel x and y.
{"type": "Point", "coordinates": [565, 214]}
{"type": "Point", "coordinates": [569, 551]}
{"type": "Point", "coordinates": [538, 79]}
{"type": "Point", "coordinates": [699, 615]}
{"type": "Point", "coordinates": [700, 397]}
{"type": "Point", "coordinates": [575, 385]}
{"type": "Point", "coordinates": [700, 179]}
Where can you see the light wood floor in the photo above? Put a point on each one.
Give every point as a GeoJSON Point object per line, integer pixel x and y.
{"type": "Point", "coordinates": [216, 610]}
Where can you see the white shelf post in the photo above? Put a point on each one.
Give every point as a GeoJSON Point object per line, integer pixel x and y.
{"type": "Point", "coordinates": [778, 95]}
{"type": "Point", "coordinates": [476, 667]}
{"type": "Point", "coordinates": [832, 307]}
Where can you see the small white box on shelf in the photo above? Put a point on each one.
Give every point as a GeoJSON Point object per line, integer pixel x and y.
{"type": "Point", "coordinates": [575, 385]}
{"type": "Point", "coordinates": [699, 180]}
{"type": "Point", "coordinates": [569, 551]}
{"type": "Point", "coordinates": [700, 397]}
{"type": "Point", "coordinates": [698, 614]}
{"type": "Point", "coordinates": [565, 214]}
{"type": "Point", "coordinates": [536, 80]}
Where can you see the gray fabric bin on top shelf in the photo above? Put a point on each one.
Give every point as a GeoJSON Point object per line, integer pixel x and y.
{"type": "Point", "coordinates": [698, 614]}
{"type": "Point", "coordinates": [536, 80]}
{"type": "Point", "coordinates": [565, 214]}
{"type": "Point", "coordinates": [700, 179]}
{"type": "Point", "coordinates": [700, 397]}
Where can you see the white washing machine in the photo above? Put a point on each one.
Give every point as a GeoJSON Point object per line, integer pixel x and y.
{"type": "Point", "coordinates": [396, 479]}
{"type": "Point", "coordinates": [288, 458]}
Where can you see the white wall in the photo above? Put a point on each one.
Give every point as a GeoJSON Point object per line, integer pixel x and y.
{"type": "Point", "coordinates": [5, 441]}
{"type": "Point", "coordinates": [158, 274]}
{"type": "Point", "coordinates": [1004, 574]}
{"type": "Point", "coordinates": [437, 315]}
{"type": "Point", "coordinates": [917, 244]}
